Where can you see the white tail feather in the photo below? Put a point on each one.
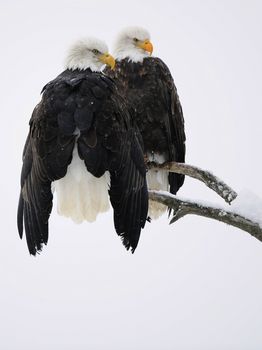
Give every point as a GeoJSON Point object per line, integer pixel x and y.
{"type": "Point", "coordinates": [80, 195]}
{"type": "Point", "coordinates": [157, 180]}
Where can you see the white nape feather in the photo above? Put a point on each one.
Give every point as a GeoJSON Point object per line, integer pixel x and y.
{"type": "Point", "coordinates": [80, 195]}
{"type": "Point", "coordinates": [126, 47]}
{"type": "Point", "coordinates": [157, 180]}
{"type": "Point", "coordinates": [80, 55]}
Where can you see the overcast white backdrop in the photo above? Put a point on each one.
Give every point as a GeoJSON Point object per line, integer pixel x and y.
{"type": "Point", "coordinates": [193, 285]}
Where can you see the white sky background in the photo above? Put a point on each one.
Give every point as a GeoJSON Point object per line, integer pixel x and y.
{"type": "Point", "coordinates": [192, 285]}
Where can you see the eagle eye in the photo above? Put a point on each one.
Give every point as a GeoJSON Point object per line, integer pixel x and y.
{"type": "Point", "coordinates": [95, 51]}
{"type": "Point", "coordinates": [136, 40]}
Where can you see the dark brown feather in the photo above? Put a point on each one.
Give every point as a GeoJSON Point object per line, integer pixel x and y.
{"type": "Point", "coordinates": [151, 95]}
{"type": "Point", "coordinates": [87, 104]}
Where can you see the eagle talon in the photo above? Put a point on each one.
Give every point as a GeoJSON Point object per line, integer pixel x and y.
{"type": "Point", "coordinates": [148, 219]}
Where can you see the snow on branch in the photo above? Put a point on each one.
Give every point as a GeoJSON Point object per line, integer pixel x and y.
{"type": "Point", "coordinates": [182, 207]}
{"type": "Point", "coordinates": [245, 212]}
{"type": "Point", "coordinates": [210, 180]}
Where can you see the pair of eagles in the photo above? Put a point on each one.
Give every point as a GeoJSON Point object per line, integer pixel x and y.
{"type": "Point", "coordinates": [91, 134]}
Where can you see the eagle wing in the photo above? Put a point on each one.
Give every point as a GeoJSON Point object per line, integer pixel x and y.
{"type": "Point", "coordinates": [116, 146]}
{"type": "Point", "coordinates": [45, 158]}
{"type": "Point", "coordinates": [47, 154]}
{"type": "Point", "coordinates": [128, 190]}
{"type": "Point", "coordinates": [173, 120]}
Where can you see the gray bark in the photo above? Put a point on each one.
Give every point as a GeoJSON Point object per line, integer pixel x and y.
{"type": "Point", "coordinates": [210, 180]}
{"type": "Point", "coordinates": [182, 207]}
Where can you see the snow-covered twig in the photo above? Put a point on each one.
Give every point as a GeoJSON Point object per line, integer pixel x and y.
{"type": "Point", "coordinates": [183, 207]}
{"type": "Point", "coordinates": [210, 180]}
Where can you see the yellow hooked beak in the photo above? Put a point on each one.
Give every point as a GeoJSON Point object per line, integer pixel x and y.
{"type": "Point", "coordinates": [108, 60]}
{"type": "Point", "coordinates": [146, 45]}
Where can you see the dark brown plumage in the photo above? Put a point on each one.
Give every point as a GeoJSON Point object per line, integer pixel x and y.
{"type": "Point", "coordinates": [151, 95]}
{"type": "Point", "coordinates": [82, 107]}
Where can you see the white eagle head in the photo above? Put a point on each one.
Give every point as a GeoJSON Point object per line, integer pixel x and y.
{"type": "Point", "coordinates": [89, 53]}
{"type": "Point", "coordinates": [133, 43]}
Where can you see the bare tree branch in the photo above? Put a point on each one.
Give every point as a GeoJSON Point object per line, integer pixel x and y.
{"type": "Point", "coordinates": [183, 207]}
{"type": "Point", "coordinates": [210, 180]}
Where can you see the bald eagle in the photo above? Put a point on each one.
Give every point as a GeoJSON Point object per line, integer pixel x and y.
{"type": "Point", "coordinates": [148, 87]}
{"type": "Point", "coordinates": [82, 145]}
